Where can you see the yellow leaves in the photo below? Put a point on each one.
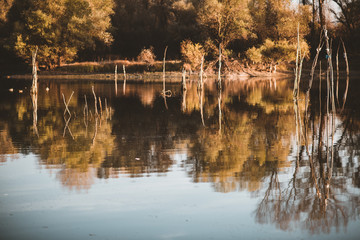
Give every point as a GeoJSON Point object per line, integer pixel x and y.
{"type": "Point", "coordinates": [224, 20]}
{"type": "Point", "coordinates": [192, 53]}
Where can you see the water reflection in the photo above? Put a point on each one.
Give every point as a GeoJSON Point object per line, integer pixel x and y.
{"type": "Point", "coordinates": [247, 136]}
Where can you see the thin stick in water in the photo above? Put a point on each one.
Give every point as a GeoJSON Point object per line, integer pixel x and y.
{"type": "Point", "coordinates": [164, 69]}
{"type": "Point", "coordinates": [96, 110]}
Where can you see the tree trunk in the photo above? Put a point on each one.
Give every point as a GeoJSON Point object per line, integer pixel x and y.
{"type": "Point", "coordinates": [321, 13]}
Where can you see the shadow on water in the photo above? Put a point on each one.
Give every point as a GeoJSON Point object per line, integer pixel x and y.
{"type": "Point", "coordinates": [247, 136]}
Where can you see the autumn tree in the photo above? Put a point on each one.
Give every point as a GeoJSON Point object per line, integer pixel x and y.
{"type": "Point", "coordinates": [5, 6]}
{"type": "Point", "coordinates": [275, 26]}
{"type": "Point", "coordinates": [60, 28]}
{"type": "Point", "coordinates": [276, 19]}
{"type": "Point", "coordinates": [225, 20]}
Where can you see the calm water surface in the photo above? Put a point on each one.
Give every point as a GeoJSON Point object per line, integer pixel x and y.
{"type": "Point", "coordinates": [245, 162]}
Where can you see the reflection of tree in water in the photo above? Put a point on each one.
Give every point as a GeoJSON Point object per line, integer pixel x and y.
{"type": "Point", "coordinates": [7, 148]}
{"type": "Point", "coordinates": [255, 137]}
{"type": "Point", "coordinates": [74, 157]}
{"type": "Point", "coordinates": [142, 138]}
{"type": "Point", "coordinates": [146, 137]}
{"type": "Point", "coordinates": [322, 193]}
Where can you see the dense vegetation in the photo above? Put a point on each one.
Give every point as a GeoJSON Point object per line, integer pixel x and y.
{"type": "Point", "coordinates": [254, 31]}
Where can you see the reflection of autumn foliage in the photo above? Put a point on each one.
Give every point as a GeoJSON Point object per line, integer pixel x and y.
{"type": "Point", "coordinates": [7, 146]}
{"type": "Point", "coordinates": [257, 128]}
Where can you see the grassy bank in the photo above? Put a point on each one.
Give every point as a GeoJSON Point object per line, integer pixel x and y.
{"type": "Point", "coordinates": [109, 67]}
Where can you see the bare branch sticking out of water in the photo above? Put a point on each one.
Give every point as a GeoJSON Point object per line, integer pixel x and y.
{"type": "Point", "coordinates": [298, 68]}
{"type": "Point", "coordinates": [67, 104]}
{"type": "Point", "coordinates": [96, 110]}
{"type": "Point", "coordinates": [164, 69]}
{"type": "Point", "coordinates": [165, 93]}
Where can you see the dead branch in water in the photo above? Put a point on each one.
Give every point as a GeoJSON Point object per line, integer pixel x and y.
{"type": "Point", "coordinates": [298, 68]}
{"type": "Point", "coordinates": [165, 93]}
{"type": "Point", "coordinates": [96, 110]}
{"type": "Point", "coordinates": [318, 49]}
{"type": "Point", "coordinates": [164, 68]}
{"type": "Point", "coordinates": [67, 104]}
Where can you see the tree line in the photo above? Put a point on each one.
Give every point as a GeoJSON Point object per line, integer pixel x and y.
{"type": "Point", "coordinates": [260, 31]}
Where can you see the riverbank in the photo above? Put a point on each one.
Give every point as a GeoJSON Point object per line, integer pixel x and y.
{"type": "Point", "coordinates": [137, 71]}
{"type": "Point", "coordinates": [150, 76]}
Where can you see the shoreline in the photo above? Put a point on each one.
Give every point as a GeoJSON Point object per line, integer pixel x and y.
{"type": "Point", "coordinates": [150, 76]}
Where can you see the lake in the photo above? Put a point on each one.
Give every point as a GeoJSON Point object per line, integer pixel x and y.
{"type": "Point", "coordinates": [241, 162]}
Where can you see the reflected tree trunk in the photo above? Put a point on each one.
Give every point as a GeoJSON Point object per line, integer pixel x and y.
{"type": "Point", "coordinates": [34, 100]}
{"type": "Point", "coordinates": [184, 91]}
{"type": "Point", "coordinates": [124, 84]}
{"type": "Point", "coordinates": [86, 116]}
{"type": "Point", "coordinates": [67, 115]}
{"type": "Point", "coordinates": [115, 79]}
{"type": "Point", "coordinates": [34, 91]}
{"type": "Point", "coordinates": [201, 103]}
{"type": "Point", "coordinates": [219, 106]}
{"type": "Point", "coordinates": [347, 75]}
